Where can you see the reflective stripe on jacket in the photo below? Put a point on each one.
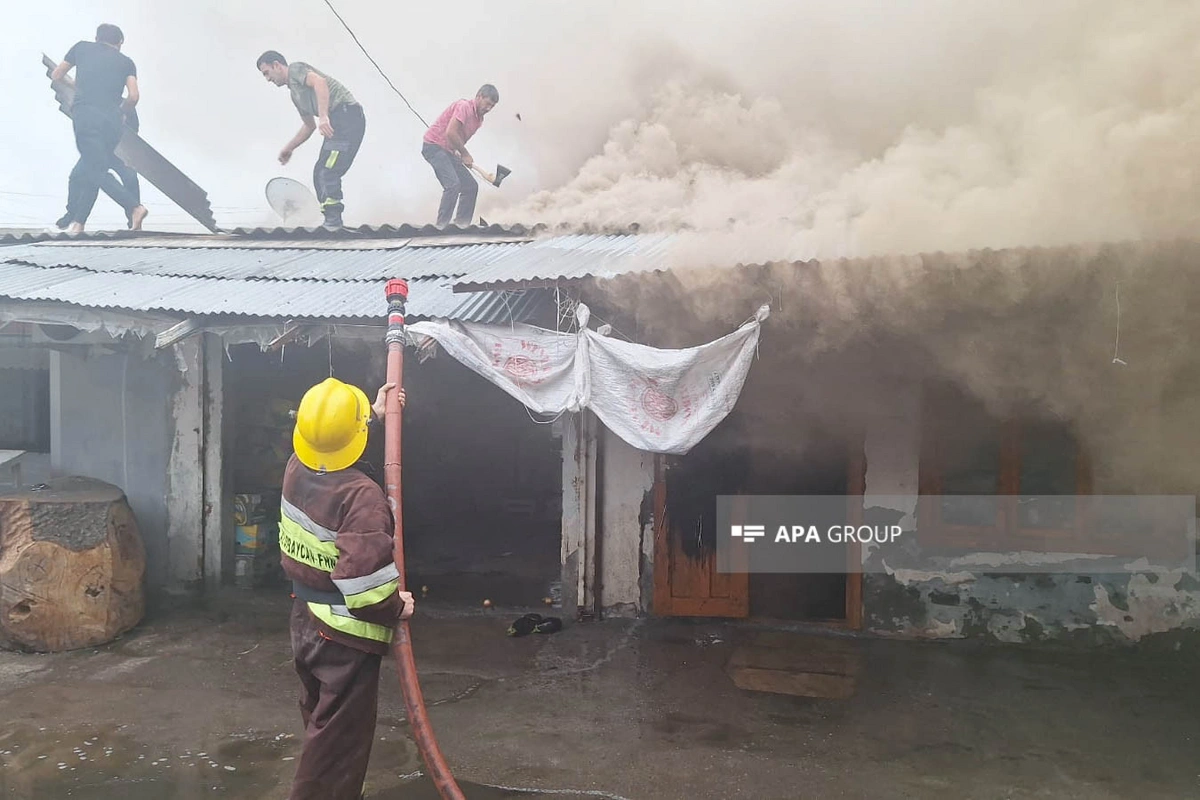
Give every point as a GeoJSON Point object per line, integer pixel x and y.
{"type": "Point", "coordinates": [335, 535]}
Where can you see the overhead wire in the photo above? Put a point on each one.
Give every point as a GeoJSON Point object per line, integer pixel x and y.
{"type": "Point", "coordinates": [350, 31]}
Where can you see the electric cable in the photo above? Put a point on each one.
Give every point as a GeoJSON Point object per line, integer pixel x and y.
{"type": "Point", "coordinates": [373, 62]}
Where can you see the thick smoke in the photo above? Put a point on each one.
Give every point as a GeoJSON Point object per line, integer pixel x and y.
{"type": "Point", "coordinates": [1098, 339]}
{"type": "Point", "coordinates": [931, 128]}
{"type": "Point", "coordinates": [1073, 123]}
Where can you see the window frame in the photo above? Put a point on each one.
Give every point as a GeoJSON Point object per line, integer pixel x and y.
{"type": "Point", "coordinates": [1008, 535]}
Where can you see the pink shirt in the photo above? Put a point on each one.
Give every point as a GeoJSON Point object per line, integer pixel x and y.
{"type": "Point", "coordinates": [462, 110]}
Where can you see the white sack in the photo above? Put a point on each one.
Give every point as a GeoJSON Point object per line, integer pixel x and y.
{"type": "Point", "coordinates": [534, 365]}
{"type": "Point", "coordinates": [660, 401]}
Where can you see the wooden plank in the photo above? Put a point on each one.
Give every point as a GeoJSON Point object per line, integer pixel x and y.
{"type": "Point", "coordinates": [291, 332]}
{"type": "Point", "coordinates": [662, 544]}
{"type": "Point", "coordinates": [733, 588]}
{"type": "Point", "coordinates": [146, 161]}
{"type": "Point", "coordinates": [721, 584]}
{"type": "Point", "coordinates": [178, 332]}
{"type": "Point", "coordinates": [689, 578]}
{"type": "Point", "coordinates": [705, 607]}
{"type": "Point", "coordinates": [782, 640]}
{"type": "Point", "coordinates": [686, 587]}
{"type": "Point", "coordinates": [736, 584]}
{"type": "Point", "coordinates": [826, 661]}
{"type": "Point", "coordinates": [800, 684]}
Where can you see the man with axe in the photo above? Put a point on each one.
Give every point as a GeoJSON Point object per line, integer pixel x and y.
{"type": "Point", "coordinates": [445, 148]}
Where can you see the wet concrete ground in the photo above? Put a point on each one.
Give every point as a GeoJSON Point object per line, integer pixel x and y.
{"type": "Point", "coordinates": [199, 701]}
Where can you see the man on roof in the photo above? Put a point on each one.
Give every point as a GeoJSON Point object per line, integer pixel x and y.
{"type": "Point", "coordinates": [106, 88]}
{"type": "Point", "coordinates": [445, 148]}
{"type": "Point", "coordinates": [125, 180]}
{"type": "Point", "coordinates": [327, 106]}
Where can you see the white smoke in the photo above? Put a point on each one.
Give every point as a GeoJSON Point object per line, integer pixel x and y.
{"type": "Point", "coordinates": [1085, 131]}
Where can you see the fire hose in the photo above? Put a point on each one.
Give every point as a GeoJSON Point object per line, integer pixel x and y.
{"type": "Point", "coordinates": [406, 666]}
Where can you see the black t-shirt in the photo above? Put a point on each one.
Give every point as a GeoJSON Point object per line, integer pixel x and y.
{"type": "Point", "coordinates": [100, 73]}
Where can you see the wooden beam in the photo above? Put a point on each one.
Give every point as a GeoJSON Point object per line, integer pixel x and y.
{"type": "Point", "coordinates": [177, 333]}
{"type": "Point", "coordinates": [291, 332]}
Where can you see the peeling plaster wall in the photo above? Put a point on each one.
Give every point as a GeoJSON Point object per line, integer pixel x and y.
{"type": "Point", "coordinates": [574, 510]}
{"type": "Point", "coordinates": [626, 551]}
{"type": "Point", "coordinates": [185, 531]}
{"type": "Point", "coordinates": [628, 476]}
{"type": "Point", "coordinates": [1096, 609]}
{"type": "Point", "coordinates": [218, 534]}
{"type": "Point", "coordinates": [947, 599]}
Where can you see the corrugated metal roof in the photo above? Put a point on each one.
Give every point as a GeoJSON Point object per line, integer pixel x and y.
{"type": "Point", "coordinates": [269, 264]}
{"type": "Point", "coordinates": [429, 230]}
{"type": "Point", "coordinates": [574, 257]}
{"type": "Point", "coordinates": [30, 236]}
{"type": "Point", "coordinates": [476, 265]}
{"type": "Point", "coordinates": [317, 278]}
{"type": "Point", "coordinates": [292, 234]}
{"type": "Point", "coordinates": [298, 299]}
{"type": "Point", "coordinates": [428, 234]}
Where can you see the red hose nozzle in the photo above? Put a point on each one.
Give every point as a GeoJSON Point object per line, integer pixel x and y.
{"type": "Point", "coordinates": [397, 286]}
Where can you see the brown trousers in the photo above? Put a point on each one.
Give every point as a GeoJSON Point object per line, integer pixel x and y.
{"type": "Point", "coordinates": [338, 703]}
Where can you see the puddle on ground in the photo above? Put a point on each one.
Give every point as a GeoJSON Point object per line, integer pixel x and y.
{"type": "Point", "coordinates": [423, 789]}
{"type": "Point", "coordinates": [103, 763]}
{"type": "Point", "coordinates": [107, 764]}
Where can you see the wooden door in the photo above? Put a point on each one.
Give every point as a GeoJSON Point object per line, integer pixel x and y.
{"type": "Point", "coordinates": [685, 586]}
{"type": "Point", "coordinates": [690, 587]}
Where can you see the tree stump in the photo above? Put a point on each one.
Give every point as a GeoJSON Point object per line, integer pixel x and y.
{"type": "Point", "coordinates": [71, 566]}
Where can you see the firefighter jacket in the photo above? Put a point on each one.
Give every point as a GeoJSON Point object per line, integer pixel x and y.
{"type": "Point", "coordinates": [335, 538]}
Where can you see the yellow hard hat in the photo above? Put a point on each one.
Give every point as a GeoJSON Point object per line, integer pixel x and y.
{"type": "Point", "coordinates": [331, 426]}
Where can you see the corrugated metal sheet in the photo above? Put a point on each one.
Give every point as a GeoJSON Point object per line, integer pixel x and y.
{"type": "Point", "coordinates": [428, 298]}
{"type": "Point", "coordinates": [478, 265]}
{"type": "Point", "coordinates": [149, 163]}
{"type": "Point", "coordinates": [269, 264]}
{"type": "Point", "coordinates": [427, 234]}
{"type": "Point", "coordinates": [318, 279]}
{"type": "Point", "coordinates": [566, 258]}
{"type": "Point", "coordinates": [427, 230]}
{"type": "Point", "coordinates": [472, 232]}
{"type": "Point", "coordinates": [29, 236]}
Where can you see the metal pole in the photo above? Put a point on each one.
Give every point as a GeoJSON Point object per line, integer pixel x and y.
{"type": "Point", "coordinates": [406, 666]}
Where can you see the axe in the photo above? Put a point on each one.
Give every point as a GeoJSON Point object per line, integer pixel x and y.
{"type": "Point", "coordinates": [502, 172]}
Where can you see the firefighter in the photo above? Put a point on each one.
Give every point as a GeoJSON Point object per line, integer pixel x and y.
{"type": "Point", "coordinates": [335, 537]}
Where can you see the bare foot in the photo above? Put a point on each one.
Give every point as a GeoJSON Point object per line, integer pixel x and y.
{"type": "Point", "coordinates": [76, 227]}
{"type": "Point", "coordinates": [139, 214]}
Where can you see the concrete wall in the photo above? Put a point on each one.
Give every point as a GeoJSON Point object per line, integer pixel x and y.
{"type": "Point", "coordinates": [941, 599]}
{"type": "Point", "coordinates": [622, 572]}
{"type": "Point", "coordinates": [578, 511]}
{"type": "Point", "coordinates": [136, 419]}
{"type": "Point", "coordinates": [626, 553]}
{"type": "Point", "coordinates": [185, 471]}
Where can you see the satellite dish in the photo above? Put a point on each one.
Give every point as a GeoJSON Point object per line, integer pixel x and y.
{"type": "Point", "coordinates": [292, 200]}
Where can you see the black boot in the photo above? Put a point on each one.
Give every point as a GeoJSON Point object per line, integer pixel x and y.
{"type": "Point", "coordinates": [525, 625]}
{"type": "Point", "coordinates": [333, 217]}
